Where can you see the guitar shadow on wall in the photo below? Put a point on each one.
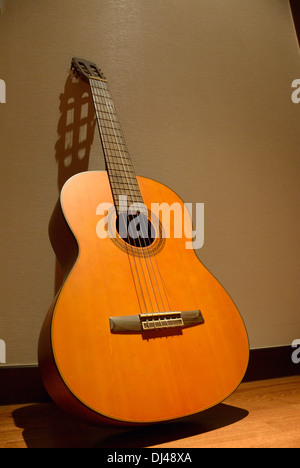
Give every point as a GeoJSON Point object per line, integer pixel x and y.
{"type": "Point", "coordinates": [76, 128]}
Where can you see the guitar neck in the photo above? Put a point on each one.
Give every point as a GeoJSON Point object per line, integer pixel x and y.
{"type": "Point", "coordinates": [120, 169]}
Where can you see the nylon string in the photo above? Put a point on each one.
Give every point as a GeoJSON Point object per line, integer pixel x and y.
{"type": "Point", "coordinates": [104, 93]}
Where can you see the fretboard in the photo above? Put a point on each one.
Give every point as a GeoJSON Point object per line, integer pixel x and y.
{"type": "Point", "coordinates": [122, 177]}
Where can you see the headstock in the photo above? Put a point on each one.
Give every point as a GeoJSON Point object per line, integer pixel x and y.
{"type": "Point", "coordinates": [86, 70]}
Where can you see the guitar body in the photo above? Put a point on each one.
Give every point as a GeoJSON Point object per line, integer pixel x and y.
{"type": "Point", "coordinates": [139, 377]}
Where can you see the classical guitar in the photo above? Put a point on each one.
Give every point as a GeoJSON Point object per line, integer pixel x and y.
{"type": "Point", "coordinates": [140, 331]}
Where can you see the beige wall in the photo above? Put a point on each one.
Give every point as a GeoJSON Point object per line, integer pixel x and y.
{"type": "Point", "coordinates": [203, 91]}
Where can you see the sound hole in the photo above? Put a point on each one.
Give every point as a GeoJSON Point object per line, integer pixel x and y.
{"type": "Point", "coordinates": [135, 229]}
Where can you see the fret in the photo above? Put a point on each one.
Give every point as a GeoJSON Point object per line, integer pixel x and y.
{"type": "Point", "coordinates": [130, 181]}
{"type": "Point", "coordinates": [107, 110]}
{"type": "Point", "coordinates": [133, 190]}
{"type": "Point", "coordinates": [131, 196]}
{"type": "Point", "coordinates": [114, 154]}
{"type": "Point", "coordinates": [113, 140]}
{"type": "Point", "coordinates": [114, 161]}
{"type": "Point", "coordinates": [106, 115]}
{"type": "Point", "coordinates": [111, 125]}
{"type": "Point", "coordinates": [102, 94]}
{"type": "Point", "coordinates": [128, 197]}
{"type": "Point", "coordinates": [118, 162]}
{"type": "Point", "coordinates": [129, 177]}
{"type": "Point", "coordinates": [120, 166]}
{"type": "Point", "coordinates": [122, 206]}
{"type": "Point", "coordinates": [119, 170]}
{"type": "Point", "coordinates": [114, 157]}
{"type": "Point", "coordinates": [122, 175]}
{"type": "Point", "coordinates": [108, 126]}
{"type": "Point", "coordinates": [114, 135]}
{"type": "Point", "coordinates": [117, 150]}
{"type": "Point", "coordinates": [123, 179]}
{"type": "Point", "coordinates": [113, 132]}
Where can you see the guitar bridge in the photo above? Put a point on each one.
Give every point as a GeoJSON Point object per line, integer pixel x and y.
{"type": "Point", "coordinates": [155, 321]}
{"type": "Point", "coordinates": [159, 320]}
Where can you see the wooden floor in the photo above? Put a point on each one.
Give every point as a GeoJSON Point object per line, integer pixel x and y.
{"type": "Point", "coordinates": [262, 414]}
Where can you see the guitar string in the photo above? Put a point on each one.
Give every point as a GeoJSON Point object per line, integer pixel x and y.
{"type": "Point", "coordinates": [98, 109]}
{"type": "Point", "coordinates": [108, 149]}
{"type": "Point", "coordinates": [139, 241]}
{"type": "Point", "coordinates": [143, 219]}
{"type": "Point", "coordinates": [155, 261]}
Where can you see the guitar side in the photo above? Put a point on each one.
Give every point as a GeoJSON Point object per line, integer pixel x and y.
{"type": "Point", "coordinates": [133, 378]}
